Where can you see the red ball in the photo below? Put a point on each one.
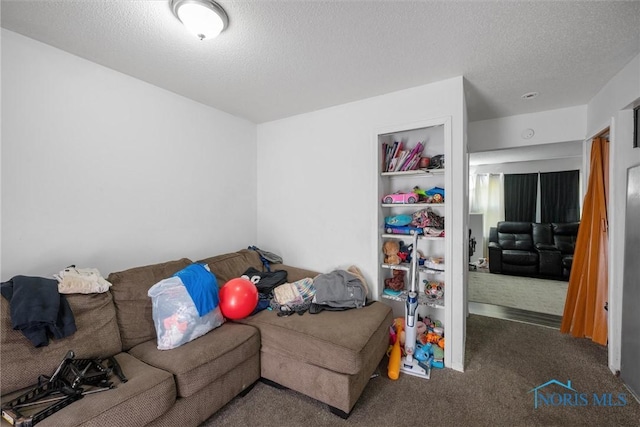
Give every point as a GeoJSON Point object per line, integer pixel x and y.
{"type": "Point", "coordinates": [238, 298]}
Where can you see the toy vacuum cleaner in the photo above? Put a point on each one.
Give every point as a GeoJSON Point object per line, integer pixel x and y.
{"type": "Point", "coordinates": [409, 364]}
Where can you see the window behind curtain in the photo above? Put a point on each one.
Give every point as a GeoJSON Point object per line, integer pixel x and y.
{"type": "Point", "coordinates": [559, 196]}
{"type": "Point", "coordinates": [520, 193]}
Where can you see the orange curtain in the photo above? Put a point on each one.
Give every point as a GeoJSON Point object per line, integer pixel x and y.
{"type": "Point", "coordinates": [584, 310]}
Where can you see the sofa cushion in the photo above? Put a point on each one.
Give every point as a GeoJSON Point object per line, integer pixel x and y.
{"type": "Point", "coordinates": [133, 305]}
{"type": "Point", "coordinates": [232, 265]}
{"type": "Point", "coordinates": [97, 336]}
{"type": "Point", "coordinates": [542, 233]}
{"type": "Point", "coordinates": [522, 242]}
{"type": "Point", "coordinates": [514, 227]}
{"type": "Point", "coordinates": [147, 387]}
{"type": "Point", "coordinates": [335, 340]}
{"type": "Point", "coordinates": [565, 236]}
{"type": "Point", "coordinates": [205, 359]}
{"type": "Point", "coordinates": [519, 257]}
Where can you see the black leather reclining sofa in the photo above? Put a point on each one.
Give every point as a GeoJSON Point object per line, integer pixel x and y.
{"type": "Point", "coordinates": [533, 249]}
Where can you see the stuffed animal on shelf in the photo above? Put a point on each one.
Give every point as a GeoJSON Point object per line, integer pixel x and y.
{"type": "Point", "coordinates": [391, 249]}
{"type": "Point", "coordinates": [434, 289]}
{"type": "Point", "coordinates": [397, 281]}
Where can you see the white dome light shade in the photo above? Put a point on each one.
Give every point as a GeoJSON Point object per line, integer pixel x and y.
{"type": "Point", "coordinates": [204, 18]}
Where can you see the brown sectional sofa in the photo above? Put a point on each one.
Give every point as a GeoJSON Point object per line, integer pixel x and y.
{"type": "Point", "coordinates": [323, 355]}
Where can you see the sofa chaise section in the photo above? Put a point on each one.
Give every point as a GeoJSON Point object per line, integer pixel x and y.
{"type": "Point", "coordinates": [328, 356]}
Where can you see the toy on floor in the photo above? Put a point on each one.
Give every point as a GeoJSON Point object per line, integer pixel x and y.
{"type": "Point", "coordinates": [438, 357]}
{"type": "Point", "coordinates": [393, 368]}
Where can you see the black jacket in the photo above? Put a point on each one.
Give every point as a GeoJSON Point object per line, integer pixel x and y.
{"type": "Point", "coordinates": [37, 309]}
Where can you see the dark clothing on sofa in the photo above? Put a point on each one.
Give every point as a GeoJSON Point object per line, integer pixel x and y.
{"type": "Point", "coordinates": [38, 309]}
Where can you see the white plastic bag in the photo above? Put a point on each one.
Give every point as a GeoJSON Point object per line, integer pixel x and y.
{"type": "Point", "coordinates": [175, 315]}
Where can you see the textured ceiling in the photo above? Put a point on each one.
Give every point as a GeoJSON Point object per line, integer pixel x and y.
{"type": "Point", "coordinates": [281, 58]}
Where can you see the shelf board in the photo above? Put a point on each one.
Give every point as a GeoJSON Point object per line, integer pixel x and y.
{"type": "Point", "coordinates": [417, 172]}
{"type": "Point", "coordinates": [422, 299]}
{"type": "Point", "coordinates": [408, 236]}
{"type": "Point", "coordinates": [411, 205]}
{"type": "Point", "coordinates": [407, 267]}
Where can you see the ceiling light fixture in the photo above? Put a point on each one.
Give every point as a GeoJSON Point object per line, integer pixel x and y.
{"type": "Point", "coordinates": [529, 95]}
{"type": "Point", "coordinates": [204, 18]}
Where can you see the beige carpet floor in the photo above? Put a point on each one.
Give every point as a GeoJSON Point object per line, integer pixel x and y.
{"type": "Point", "coordinates": [525, 293]}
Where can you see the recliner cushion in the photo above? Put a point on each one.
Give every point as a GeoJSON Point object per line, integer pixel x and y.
{"type": "Point", "coordinates": [519, 257]}
{"type": "Point", "coordinates": [522, 242]}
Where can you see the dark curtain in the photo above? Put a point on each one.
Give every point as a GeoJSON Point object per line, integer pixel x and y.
{"type": "Point", "coordinates": [520, 193]}
{"type": "Point", "coordinates": [559, 196]}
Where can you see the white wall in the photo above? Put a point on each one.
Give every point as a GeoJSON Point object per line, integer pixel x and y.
{"type": "Point", "coordinates": [317, 174]}
{"type": "Point", "coordinates": [102, 170]}
{"type": "Point", "coordinates": [552, 126]}
{"type": "Point", "coordinates": [550, 165]}
{"type": "Point", "coordinates": [611, 107]}
{"type": "Point", "coordinates": [617, 94]}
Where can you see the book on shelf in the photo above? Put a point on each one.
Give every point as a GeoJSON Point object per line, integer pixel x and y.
{"type": "Point", "coordinates": [395, 159]}
{"type": "Point", "coordinates": [413, 158]}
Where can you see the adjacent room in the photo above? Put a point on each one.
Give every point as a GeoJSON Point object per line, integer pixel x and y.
{"type": "Point", "coordinates": [506, 186]}
{"type": "Point", "coordinates": [181, 180]}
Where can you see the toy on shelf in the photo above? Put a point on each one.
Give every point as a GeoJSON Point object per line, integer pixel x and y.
{"type": "Point", "coordinates": [396, 282]}
{"type": "Point", "coordinates": [422, 194]}
{"type": "Point", "coordinates": [405, 229]}
{"type": "Point", "coordinates": [433, 232]}
{"type": "Point", "coordinates": [437, 162]}
{"type": "Point", "coordinates": [406, 252]}
{"type": "Point", "coordinates": [391, 249]}
{"type": "Point", "coordinates": [400, 198]}
{"type": "Point", "coordinates": [435, 263]}
{"type": "Point", "coordinates": [434, 289]}
{"type": "Point", "coordinates": [433, 195]}
{"type": "Point", "coordinates": [427, 218]}
{"type": "Point", "coordinates": [397, 220]}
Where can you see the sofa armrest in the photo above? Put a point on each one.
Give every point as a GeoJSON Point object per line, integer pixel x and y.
{"type": "Point", "coordinates": [495, 257]}
{"type": "Point", "coordinates": [546, 247]}
{"type": "Point", "coordinates": [493, 234]}
{"type": "Point", "coordinates": [294, 273]}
